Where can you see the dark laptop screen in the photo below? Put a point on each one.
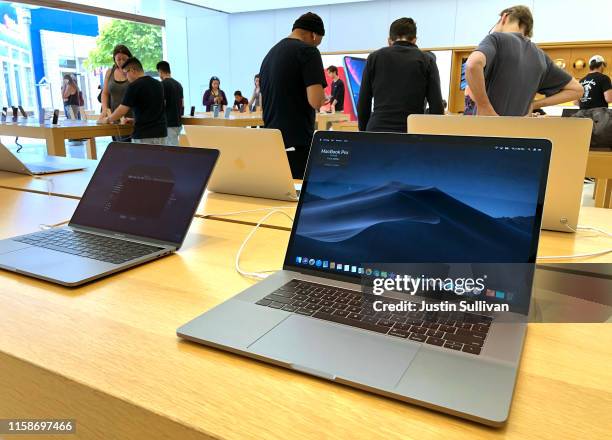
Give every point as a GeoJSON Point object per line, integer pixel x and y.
{"type": "Point", "coordinates": [395, 198]}
{"type": "Point", "coordinates": [146, 190]}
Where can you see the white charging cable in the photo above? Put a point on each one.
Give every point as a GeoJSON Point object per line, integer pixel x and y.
{"type": "Point", "coordinates": [50, 183]}
{"type": "Point", "coordinates": [46, 227]}
{"type": "Point", "coordinates": [590, 228]}
{"type": "Point", "coordinates": [562, 257]}
{"type": "Point", "coordinates": [592, 254]}
{"type": "Point", "coordinates": [232, 213]}
{"type": "Point", "coordinates": [262, 274]}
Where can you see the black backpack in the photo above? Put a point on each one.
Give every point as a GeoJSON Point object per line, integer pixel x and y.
{"type": "Point", "coordinates": [602, 126]}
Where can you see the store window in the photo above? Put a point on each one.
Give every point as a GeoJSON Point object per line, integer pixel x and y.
{"type": "Point", "coordinates": [42, 44]}
{"type": "Point", "coordinates": [7, 83]}
{"type": "Point", "coordinates": [29, 77]}
{"type": "Point", "coordinates": [17, 72]}
{"type": "Point", "coordinates": [67, 64]}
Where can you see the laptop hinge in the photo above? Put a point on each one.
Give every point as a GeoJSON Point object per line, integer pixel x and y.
{"type": "Point", "coordinates": [127, 237]}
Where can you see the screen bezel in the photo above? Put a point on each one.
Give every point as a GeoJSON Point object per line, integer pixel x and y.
{"type": "Point", "coordinates": [143, 148]}
{"type": "Point", "coordinates": [380, 138]}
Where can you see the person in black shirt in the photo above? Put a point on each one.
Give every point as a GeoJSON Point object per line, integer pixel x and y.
{"type": "Point", "coordinates": [597, 87]}
{"type": "Point", "coordinates": [292, 81]}
{"type": "Point", "coordinates": [145, 97]}
{"type": "Point", "coordinates": [399, 78]}
{"type": "Point", "coordinates": [336, 98]}
{"type": "Point", "coordinates": [173, 99]}
{"type": "Point", "coordinates": [239, 101]}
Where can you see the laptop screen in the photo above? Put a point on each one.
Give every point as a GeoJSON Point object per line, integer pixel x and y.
{"type": "Point", "coordinates": [396, 198]}
{"type": "Point", "coordinates": [146, 190]}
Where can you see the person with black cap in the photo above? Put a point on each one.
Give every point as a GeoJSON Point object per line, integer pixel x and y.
{"type": "Point", "coordinates": [292, 80]}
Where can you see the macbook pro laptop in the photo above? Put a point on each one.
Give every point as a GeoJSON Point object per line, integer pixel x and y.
{"type": "Point", "coordinates": [252, 162]}
{"type": "Point", "coordinates": [137, 207]}
{"type": "Point", "coordinates": [570, 138]}
{"type": "Point", "coordinates": [50, 165]}
{"type": "Point", "coordinates": [370, 199]}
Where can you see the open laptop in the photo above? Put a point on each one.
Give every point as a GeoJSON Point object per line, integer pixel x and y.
{"type": "Point", "coordinates": [50, 164]}
{"type": "Point", "coordinates": [570, 138]}
{"type": "Point", "coordinates": [136, 208]}
{"type": "Point", "coordinates": [252, 162]}
{"type": "Point", "coordinates": [396, 198]}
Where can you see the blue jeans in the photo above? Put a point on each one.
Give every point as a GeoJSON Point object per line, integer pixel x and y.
{"type": "Point", "coordinates": [173, 136]}
{"type": "Point", "coordinates": [75, 111]}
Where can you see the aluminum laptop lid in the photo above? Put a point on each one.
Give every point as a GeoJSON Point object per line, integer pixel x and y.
{"type": "Point", "coordinates": [252, 162]}
{"type": "Point", "coordinates": [570, 138]}
{"type": "Point", "coordinates": [8, 162]}
{"type": "Point", "coordinates": [145, 192]}
{"type": "Point", "coordinates": [33, 165]}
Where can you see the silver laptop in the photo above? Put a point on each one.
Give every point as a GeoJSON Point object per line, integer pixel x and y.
{"type": "Point", "coordinates": [374, 199]}
{"type": "Point", "coordinates": [137, 207]}
{"type": "Point", "coordinates": [570, 138]}
{"type": "Point", "coordinates": [50, 165]}
{"type": "Point", "coordinates": [253, 162]}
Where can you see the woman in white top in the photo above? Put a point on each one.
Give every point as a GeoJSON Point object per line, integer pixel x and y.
{"type": "Point", "coordinates": [255, 102]}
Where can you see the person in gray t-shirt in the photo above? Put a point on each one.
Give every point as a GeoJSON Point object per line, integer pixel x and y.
{"type": "Point", "coordinates": [506, 70]}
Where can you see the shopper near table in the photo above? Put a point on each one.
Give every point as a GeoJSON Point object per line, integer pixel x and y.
{"type": "Point", "coordinates": [173, 102]}
{"type": "Point", "coordinates": [240, 102]}
{"type": "Point", "coordinates": [115, 85]}
{"type": "Point", "coordinates": [214, 95]}
{"type": "Point", "coordinates": [336, 99]}
{"type": "Point", "coordinates": [400, 79]}
{"type": "Point", "coordinates": [507, 69]}
{"type": "Point", "coordinates": [292, 88]}
{"type": "Point", "coordinates": [255, 103]}
{"type": "Point", "coordinates": [145, 97]}
{"type": "Point", "coordinates": [596, 85]}
{"type": "Point", "coordinates": [70, 95]}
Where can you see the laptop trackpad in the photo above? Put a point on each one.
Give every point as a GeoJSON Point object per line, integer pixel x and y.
{"type": "Point", "coordinates": [329, 349]}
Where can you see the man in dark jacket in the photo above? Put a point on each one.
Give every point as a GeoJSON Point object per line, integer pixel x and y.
{"type": "Point", "coordinates": [400, 78]}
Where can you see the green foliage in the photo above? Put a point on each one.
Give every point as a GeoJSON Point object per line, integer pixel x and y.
{"type": "Point", "coordinates": [143, 40]}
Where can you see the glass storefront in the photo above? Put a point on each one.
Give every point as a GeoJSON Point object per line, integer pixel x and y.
{"type": "Point", "coordinates": [38, 46]}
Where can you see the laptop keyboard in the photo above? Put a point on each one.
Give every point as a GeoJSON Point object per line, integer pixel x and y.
{"type": "Point", "coordinates": [96, 247]}
{"type": "Point", "coordinates": [452, 330]}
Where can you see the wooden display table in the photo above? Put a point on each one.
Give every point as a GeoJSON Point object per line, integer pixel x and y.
{"type": "Point", "coordinates": [235, 120]}
{"type": "Point", "coordinates": [107, 355]}
{"type": "Point", "coordinates": [55, 135]}
{"type": "Point", "coordinates": [599, 167]}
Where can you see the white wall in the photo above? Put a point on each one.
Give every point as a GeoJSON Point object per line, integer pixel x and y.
{"type": "Point", "coordinates": [196, 41]}
{"type": "Point", "coordinates": [197, 47]}
{"type": "Point", "coordinates": [201, 42]}
{"type": "Point", "coordinates": [440, 23]}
